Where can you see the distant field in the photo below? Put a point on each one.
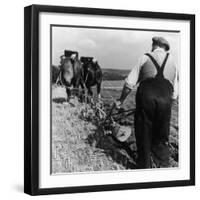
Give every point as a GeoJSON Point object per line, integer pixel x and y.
{"type": "Point", "coordinates": [115, 74]}
{"type": "Point", "coordinates": [115, 84]}
{"type": "Point", "coordinates": [111, 90]}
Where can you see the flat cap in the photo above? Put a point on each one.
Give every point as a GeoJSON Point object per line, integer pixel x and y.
{"type": "Point", "coordinates": [161, 41]}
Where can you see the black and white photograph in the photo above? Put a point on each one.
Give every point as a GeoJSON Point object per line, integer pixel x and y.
{"type": "Point", "coordinates": [114, 99]}
{"type": "Point", "coordinates": [99, 100]}
{"type": "Point", "coordinates": [109, 98]}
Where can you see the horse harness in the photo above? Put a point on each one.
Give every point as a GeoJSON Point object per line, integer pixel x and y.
{"type": "Point", "coordinates": [59, 79]}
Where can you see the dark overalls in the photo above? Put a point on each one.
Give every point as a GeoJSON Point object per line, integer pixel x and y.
{"type": "Point", "coordinates": [152, 117]}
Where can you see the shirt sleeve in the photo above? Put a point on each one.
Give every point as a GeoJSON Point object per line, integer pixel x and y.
{"type": "Point", "coordinates": [176, 89]}
{"type": "Point", "coordinates": [133, 76]}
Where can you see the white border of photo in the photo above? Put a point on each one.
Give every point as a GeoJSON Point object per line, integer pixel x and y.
{"type": "Point", "coordinates": [48, 180]}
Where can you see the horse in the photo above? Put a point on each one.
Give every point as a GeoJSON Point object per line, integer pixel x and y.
{"type": "Point", "coordinates": [71, 72]}
{"type": "Point", "coordinates": [92, 75]}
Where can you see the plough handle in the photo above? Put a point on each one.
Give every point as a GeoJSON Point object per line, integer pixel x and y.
{"type": "Point", "coordinates": [111, 111]}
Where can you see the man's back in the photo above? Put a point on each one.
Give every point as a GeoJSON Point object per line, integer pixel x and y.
{"type": "Point", "coordinates": [148, 69]}
{"type": "Point", "coordinates": [153, 102]}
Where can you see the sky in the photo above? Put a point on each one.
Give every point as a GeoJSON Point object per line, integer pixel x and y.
{"type": "Point", "coordinates": [118, 49]}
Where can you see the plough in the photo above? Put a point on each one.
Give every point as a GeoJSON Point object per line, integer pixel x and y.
{"type": "Point", "coordinates": [119, 133]}
{"type": "Point", "coordinates": [110, 125]}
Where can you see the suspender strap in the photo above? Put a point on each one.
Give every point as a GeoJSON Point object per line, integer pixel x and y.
{"type": "Point", "coordinates": [154, 61]}
{"type": "Point", "coordinates": [159, 68]}
{"type": "Point", "coordinates": [164, 62]}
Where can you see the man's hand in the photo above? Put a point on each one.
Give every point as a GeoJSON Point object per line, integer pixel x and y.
{"type": "Point", "coordinates": [124, 94]}
{"type": "Point", "coordinates": [118, 104]}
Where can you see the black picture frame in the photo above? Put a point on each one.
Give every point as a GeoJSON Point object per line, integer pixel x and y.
{"type": "Point", "coordinates": [31, 98]}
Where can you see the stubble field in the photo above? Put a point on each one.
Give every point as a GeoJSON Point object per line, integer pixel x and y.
{"type": "Point", "coordinates": [78, 145]}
